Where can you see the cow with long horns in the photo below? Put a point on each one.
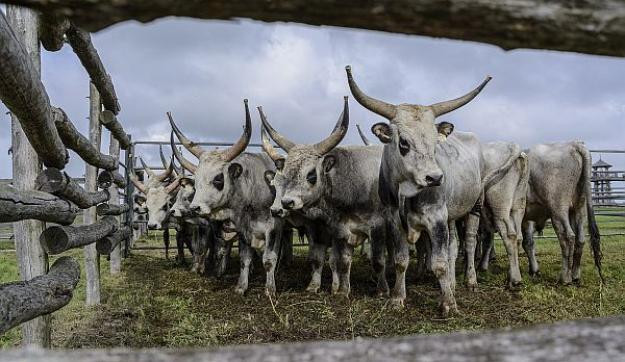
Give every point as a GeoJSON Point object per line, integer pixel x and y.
{"type": "Point", "coordinates": [433, 176]}
{"type": "Point", "coordinates": [338, 187]}
{"type": "Point", "coordinates": [230, 186]}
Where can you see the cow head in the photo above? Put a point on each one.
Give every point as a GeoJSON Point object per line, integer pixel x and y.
{"type": "Point", "coordinates": [411, 136]}
{"type": "Point", "coordinates": [303, 175]}
{"type": "Point", "coordinates": [184, 197]}
{"type": "Point", "coordinates": [216, 172]}
{"type": "Point", "coordinates": [157, 194]}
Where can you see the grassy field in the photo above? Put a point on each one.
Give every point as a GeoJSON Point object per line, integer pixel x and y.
{"type": "Point", "coordinates": [157, 303]}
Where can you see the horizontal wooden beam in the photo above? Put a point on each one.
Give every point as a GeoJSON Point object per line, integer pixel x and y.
{"type": "Point", "coordinates": [23, 93]}
{"type": "Point", "coordinates": [57, 239]}
{"type": "Point", "coordinates": [111, 209]}
{"type": "Point", "coordinates": [106, 245]}
{"type": "Point", "coordinates": [80, 41]}
{"type": "Point", "coordinates": [59, 183]}
{"type": "Point", "coordinates": [591, 339]}
{"type": "Point", "coordinates": [52, 30]}
{"type": "Point", "coordinates": [80, 144]}
{"type": "Point", "coordinates": [107, 178]}
{"type": "Point", "coordinates": [18, 205]}
{"type": "Point", "coordinates": [109, 120]}
{"type": "Point", "coordinates": [23, 301]}
{"type": "Point", "coordinates": [594, 27]}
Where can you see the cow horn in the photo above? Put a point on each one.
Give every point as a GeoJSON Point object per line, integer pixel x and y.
{"type": "Point", "coordinates": [364, 138]}
{"type": "Point", "coordinates": [233, 151]}
{"type": "Point", "coordinates": [172, 186]}
{"type": "Point", "coordinates": [183, 161]}
{"type": "Point", "coordinates": [165, 174]}
{"type": "Point", "coordinates": [382, 108]}
{"type": "Point", "coordinates": [282, 141]}
{"type": "Point", "coordinates": [195, 149]}
{"type": "Point", "coordinates": [175, 170]}
{"type": "Point", "coordinates": [138, 184]}
{"type": "Point", "coordinates": [339, 132]}
{"type": "Point", "coordinates": [267, 146]}
{"type": "Point", "coordinates": [146, 168]}
{"type": "Point", "coordinates": [448, 106]}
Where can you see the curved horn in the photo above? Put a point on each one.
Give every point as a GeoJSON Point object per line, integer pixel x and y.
{"type": "Point", "coordinates": [172, 186]}
{"type": "Point", "coordinates": [448, 106]}
{"type": "Point", "coordinates": [364, 138]}
{"type": "Point", "coordinates": [135, 180]}
{"type": "Point", "coordinates": [282, 141]}
{"type": "Point", "coordinates": [195, 149]}
{"type": "Point", "coordinates": [146, 168]}
{"type": "Point", "coordinates": [267, 146]}
{"type": "Point", "coordinates": [165, 174]}
{"type": "Point", "coordinates": [382, 108]}
{"type": "Point", "coordinates": [233, 151]}
{"type": "Point", "coordinates": [339, 132]}
{"type": "Point", "coordinates": [163, 160]}
{"type": "Point", "coordinates": [183, 161]}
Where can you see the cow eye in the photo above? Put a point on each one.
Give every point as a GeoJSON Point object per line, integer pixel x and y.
{"type": "Point", "coordinates": [404, 147]}
{"type": "Point", "coordinates": [165, 207]}
{"type": "Point", "coordinates": [312, 177]}
{"type": "Point", "coordinates": [218, 182]}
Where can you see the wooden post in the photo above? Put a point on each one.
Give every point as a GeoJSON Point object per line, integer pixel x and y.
{"type": "Point", "coordinates": [92, 259]}
{"type": "Point", "coordinates": [130, 190]}
{"type": "Point", "coordinates": [31, 258]}
{"type": "Point", "coordinates": [116, 255]}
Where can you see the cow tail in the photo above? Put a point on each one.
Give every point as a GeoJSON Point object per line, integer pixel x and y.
{"type": "Point", "coordinates": [525, 173]}
{"type": "Point", "coordinates": [500, 171]}
{"type": "Point", "coordinates": [595, 236]}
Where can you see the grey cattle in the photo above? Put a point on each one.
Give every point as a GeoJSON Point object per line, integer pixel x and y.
{"type": "Point", "coordinates": [230, 186]}
{"type": "Point", "coordinates": [560, 190]}
{"type": "Point", "coordinates": [336, 186]}
{"type": "Point", "coordinates": [433, 180]}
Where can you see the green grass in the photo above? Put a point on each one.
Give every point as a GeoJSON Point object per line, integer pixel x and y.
{"type": "Point", "coordinates": [157, 303]}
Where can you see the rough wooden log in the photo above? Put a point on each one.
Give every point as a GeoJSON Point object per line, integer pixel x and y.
{"type": "Point", "coordinates": [57, 239]}
{"type": "Point", "coordinates": [595, 27]}
{"type": "Point", "coordinates": [57, 182]}
{"type": "Point", "coordinates": [585, 340]}
{"type": "Point", "coordinates": [80, 144]}
{"type": "Point", "coordinates": [92, 259]}
{"type": "Point", "coordinates": [110, 209]}
{"type": "Point", "coordinates": [52, 30]}
{"type": "Point", "coordinates": [25, 300]}
{"type": "Point", "coordinates": [80, 41]}
{"type": "Point", "coordinates": [24, 95]}
{"type": "Point", "coordinates": [114, 252]}
{"type": "Point", "coordinates": [32, 260]}
{"type": "Point", "coordinates": [107, 178]}
{"type": "Point", "coordinates": [21, 205]}
{"type": "Point", "coordinates": [107, 245]}
{"type": "Point", "coordinates": [109, 120]}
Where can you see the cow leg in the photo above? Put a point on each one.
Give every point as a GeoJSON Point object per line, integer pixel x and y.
{"type": "Point", "coordinates": [334, 261]}
{"type": "Point", "coordinates": [166, 242]}
{"type": "Point", "coordinates": [223, 256]}
{"type": "Point", "coordinates": [345, 266]}
{"type": "Point", "coordinates": [566, 237]}
{"type": "Point", "coordinates": [578, 225]}
{"type": "Point", "coordinates": [472, 223]}
{"type": "Point", "coordinates": [246, 254]}
{"type": "Point", "coordinates": [316, 255]}
{"type": "Point", "coordinates": [195, 241]}
{"type": "Point", "coordinates": [421, 255]}
{"type": "Point", "coordinates": [286, 253]}
{"type": "Point", "coordinates": [453, 255]}
{"type": "Point", "coordinates": [439, 236]}
{"type": "Point", "coordinates": [270, 260]}
{"type": "Point", "coordinates": [488, 243]}
{"type": "Point", "coordinates": [180, 236]}
{"type": "Point", "coordinates": [530, 247]}
{"type": "Point", "coordinates": [402, 258]}
{"type": "Point", "coordinates": [378, 260]}
{"type": "Point", "coordinates": [509, 238]}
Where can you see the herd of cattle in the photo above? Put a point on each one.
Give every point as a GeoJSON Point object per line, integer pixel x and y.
{"type": "Point", "coordinates": [425, 186]}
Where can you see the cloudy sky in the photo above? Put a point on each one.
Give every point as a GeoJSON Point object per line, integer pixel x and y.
{"type": "Point", "coordinates": [202, 70]}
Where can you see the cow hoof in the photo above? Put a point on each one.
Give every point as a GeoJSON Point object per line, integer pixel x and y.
{"type": "Point", "coordinates": [444, 310]}
{"type": "Point", "coordinates": [313, 288]}
{"type": "Point", "coordinates": [239, 290]}
{"type": "Point", "coordinates": [270, 292]}
{"type": "Point", "coordinates": [382, 292]}
{"type": "Point", "coordinates": [535, 274]}
{"type": "Point", "coordinates": [472, 287]}
{"type": "Point", "coordinates": [515, 285]}
{"type": "Point", "coordinates": [342, 293]}
{"type": "Point", "coordinates": [397, 303]}
{"type": "Point", "coordinates": [577, 282]}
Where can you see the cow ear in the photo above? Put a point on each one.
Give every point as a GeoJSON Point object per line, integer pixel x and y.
{"type": "Point", "coordinates": [444, 129]}
{"type": "Point", "coordinates": [328, 163]}
{"type": "Point", "coordinates": [269, 175]}
{"type": "Point", "coordinates": [279, 163]}
{"type": "Point", "coordinates": [382, 131]}
{"type": "Point", "coordinates": [235, 170]}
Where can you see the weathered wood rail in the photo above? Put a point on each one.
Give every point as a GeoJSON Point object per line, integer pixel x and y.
{"type": "Point", "coordinates": [59, 183]}
{"type": "Point", "coordinates": [23, 301]}
{"type": "Point", "coordinates": [57, 239]}
{"type": "Point", "coordinates": [595, 340]}
{"type": "Point", "coordinates": [594, 27]}
{"type": "Point", "coordinates": [21, 205]}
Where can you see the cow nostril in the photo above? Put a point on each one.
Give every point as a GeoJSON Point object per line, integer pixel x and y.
{"type": "Point", "coordinates": [434, 180]}
{"type": "Point", "coordinates": [276, 212]}
{"type": "Point", "coordinates": [288, 204]}
{"type": "Point", "coordinates": [151, 226]}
